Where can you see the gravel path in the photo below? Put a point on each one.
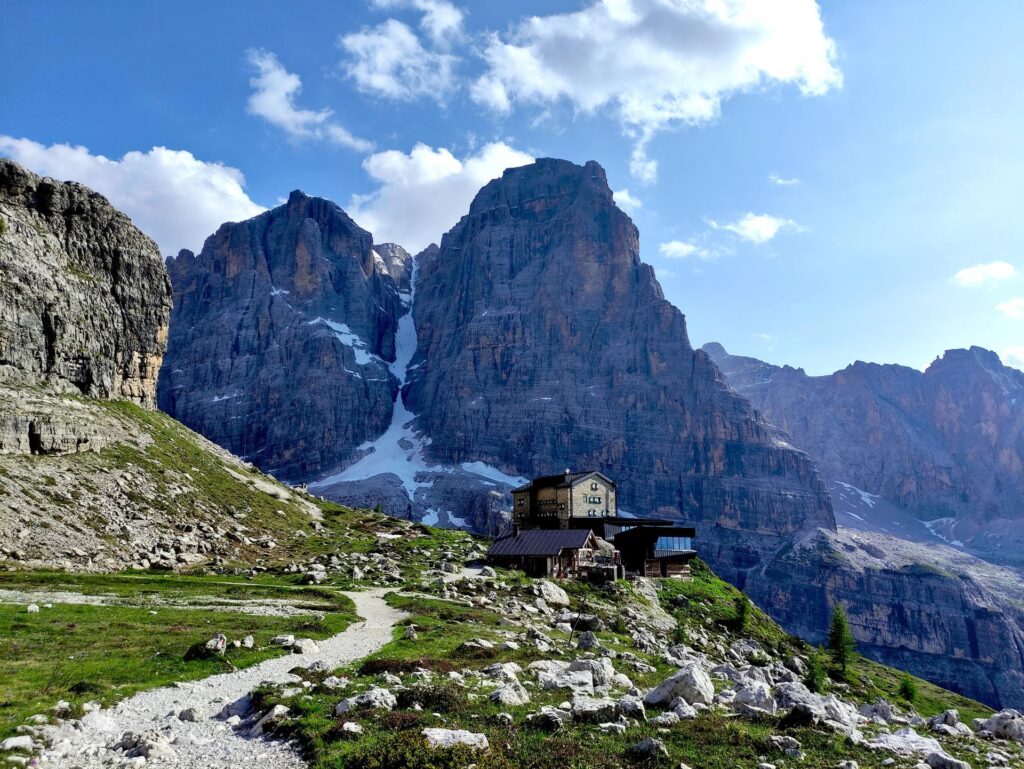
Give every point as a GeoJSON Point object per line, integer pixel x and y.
{"type": "Point", "coordinates": [208, 743]}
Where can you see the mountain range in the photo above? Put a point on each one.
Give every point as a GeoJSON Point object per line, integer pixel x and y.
{"type": "Point", "coordinates": [533, 338]}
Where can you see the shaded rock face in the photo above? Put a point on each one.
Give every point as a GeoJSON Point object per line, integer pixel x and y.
{"type": "Point", "coordinates": [939, 613]}
{"type": "Point", "coordinates": [281, 333]}
{"type": "Point", "coordinates": [946, 445]}
{"type": "Point", "coordinates": [84, 296]}
{"type": "Point", "coordinates": [545, 343]}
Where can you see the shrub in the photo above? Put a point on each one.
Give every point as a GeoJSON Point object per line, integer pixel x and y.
{"type": "Point", "coordinates": [408, 750]}
{"type": "Point", "coordinates": [679, 631]}
{"type": "Point", "coordinates": [908, 689]}
{"type": "Point", "coordinates": [380, 665]}
{"type": "Point", "coordinates": [619, 625]}
{"type": "Point", "coordinates": [446, 697]}
{"type": "Point", "coordinates": [840, 640]}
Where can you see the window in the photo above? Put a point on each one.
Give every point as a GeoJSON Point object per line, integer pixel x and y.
{"type": "Point", "coordinates": [593, 486]}
{"type": "Point", "coordinates": [592, 513]}
{"type": "Point", "coordinates": [672, 544]}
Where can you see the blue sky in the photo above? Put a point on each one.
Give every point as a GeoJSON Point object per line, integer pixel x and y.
{"type": "Point", "coordinates": [833, 182]}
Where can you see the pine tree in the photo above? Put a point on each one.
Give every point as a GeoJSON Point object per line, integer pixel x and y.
{"type": "Point", "coordinates": [840, 640]}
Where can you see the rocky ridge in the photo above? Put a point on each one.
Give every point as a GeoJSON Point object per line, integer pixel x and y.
{"type": "Point", "coordinates": [945, 445]}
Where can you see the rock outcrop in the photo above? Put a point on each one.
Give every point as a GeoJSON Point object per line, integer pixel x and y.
{"type": "Point", "coordinates": [544, 342]}
{"type": "Point", "coordinates": [84, 296]}
{"type": "Point", "coordinates": [946, 445]}
{"type": "Point", "coordinates": [282, 330]}
{"type": "Point", "coordinates": [939, 613]}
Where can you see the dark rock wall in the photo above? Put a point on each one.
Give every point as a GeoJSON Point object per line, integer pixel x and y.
{"type": "Point", "coordinates": [280, 337]}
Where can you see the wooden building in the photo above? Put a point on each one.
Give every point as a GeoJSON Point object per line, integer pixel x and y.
{"type": "Point", "coordinates": [547, 552]}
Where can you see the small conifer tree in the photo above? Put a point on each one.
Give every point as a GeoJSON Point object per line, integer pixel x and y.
{"type": "Point", "coordinates": [840, 640]}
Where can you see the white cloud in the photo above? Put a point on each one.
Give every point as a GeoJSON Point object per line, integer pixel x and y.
{"type": "Point", "coordinates": [627, 201]}
{"type": "Point", "coordinates": [982, 274]}
{"type": "Point", "coordinates": [758, 228]}
{"type": "Point", "coordinates": [389, 60]}
{"type": "Point", "coordinates": [1013, 356]}
{"type": "Point", "coordinates": [273, 99]}
{"type": "Point", "coordinates": [441, 20]}
{"type": "Point", "coordinates": [1013, 308]}
{"type": "Point", "coordinates": [172, 196]}
{"type": "Point", "coordinates": [782, 181]}
{"type": "Point", "coordinates": [422, 194]}
{"type": "Point", "coordinates": [656, 64]}
{"type": "Point", "coordinates": [663, 274]}
{"type": "Point", "coordinates": [678, 249]}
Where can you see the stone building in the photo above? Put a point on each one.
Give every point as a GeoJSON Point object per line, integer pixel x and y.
{"type": "Point", "coordinates": [653, 547]}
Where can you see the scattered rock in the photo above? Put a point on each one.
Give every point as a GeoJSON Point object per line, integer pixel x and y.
{"type": "Point", "coordinates": [647, 749]}
{"type": "Point", "coordinates": [447, 738]}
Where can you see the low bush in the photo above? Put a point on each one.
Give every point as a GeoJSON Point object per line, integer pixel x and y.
{"type": "Point", "coordinates": [408, 750]}
{"type": "Point", "coordinates": [381, 665]}
{"type": "Point", "coordinates": [446, 697]}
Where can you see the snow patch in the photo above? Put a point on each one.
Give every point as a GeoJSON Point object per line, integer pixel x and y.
{"type": "Point", "coordinates": [349, 338]}
{"type": "Point", "coordinates": [865, 497]}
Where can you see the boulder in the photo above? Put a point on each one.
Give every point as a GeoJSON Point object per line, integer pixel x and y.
{"type": "Point", "coordinates": [691, 683]}
{"type": "Point", "coordinates": [756, 695]}
{"type": "Point", "coordinates": [593, 710]}
{"type": "Point", "coordinates": [905, 742]}
{"type": "Point", "coordinates": [305, 646]}
{"type": "Point", "coordinates": [376, 698]}
{"type": "Point", "coordinates": [601, 669]}
{"type": "Point", "coordinates": [1006, 724]}
{"type": "Point", "coordinates": [271, 717]}
{"type": "Point", "coordinates": [939, 760]}
{"type": "Point", "coordinates": [552, 594]}
{"type": "Point", "coordinates": [577, 681]}
{"type": "Point", "coordinates": [448, 738]}
{"type": "Point", "coordinates": [511, 694]}
{"type": "Point", "coordinates": [550, 719]}
{"type": "Point", "coordinates": [648, 749]}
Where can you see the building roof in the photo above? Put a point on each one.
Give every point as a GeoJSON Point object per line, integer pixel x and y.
{"type": "Point", "coordinates": [541, 542]}
{"type": "Point", "coordinates": [562, 480]}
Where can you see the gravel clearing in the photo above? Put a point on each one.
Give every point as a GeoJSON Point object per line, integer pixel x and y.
{"type": "Point", "coordinates": [207, 742]}
{"type": "Point", "coordinates": [260, 607]}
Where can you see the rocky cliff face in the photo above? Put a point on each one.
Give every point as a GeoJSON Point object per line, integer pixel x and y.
{"type": "Point", "coordinates": [939, 613]}
{"type": "Point", "coordinates": [84, 296]}
{"type": "Point", "coordinates": [282, 330]}
{"type": "Point", "coordinates": [946, 445]}
{"type": "Point", "coordinates": [544, 343]}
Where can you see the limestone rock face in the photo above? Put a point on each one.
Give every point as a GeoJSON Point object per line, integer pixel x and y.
{"type": "Point", "coordinates": [945, 445]}
{"type": "Point", "coordinates": [282, 330]}
{"type": "Point", "coordinates": [84, 295]}
{"type": "Point", "coordinates": [930, 609]}
{"type": "Point", "coordinates": [545, 343]}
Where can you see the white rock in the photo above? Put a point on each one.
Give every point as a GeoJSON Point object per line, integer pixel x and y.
{"type": "Point", "coordinates": [351, 727]}
{"type": "Point", "coordinates": [511, 694]}
{"type": "Point", "coordinates": [755, 694]}
{"type": "Point", "coordinates": [906, 742]}
{"type": "Point", "coordinates": [269, 718]}
{"type": "Point", "coordinates": [446, 738]}
{"type": "Point", "coordinates": [1006, 724]}
{"type": "Point", "coordinates": [552, 594]}
{"type": "Point", "coordinates": [377, 698]}
{"type": "Point", "coordinates": [21, 742]}
{"type": "Point", "coordinates": [691, 683]}
{"type": "Point", "coordinates": [32, 609]}
{"type": "Point", "coordinates": [305, 646]}
{"type": "Point", "coordinates": [940, 760]}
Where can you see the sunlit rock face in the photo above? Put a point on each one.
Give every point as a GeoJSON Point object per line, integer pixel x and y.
{"type": "Point", "coordinates": [84, 295]}
{"type": "Point", "coordinates": [544, 342]}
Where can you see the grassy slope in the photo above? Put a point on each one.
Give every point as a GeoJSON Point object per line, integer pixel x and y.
{"type": "Point", "coordinates": [83, 652]}
{"type": "Point", "coordinates": [711, 741]}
